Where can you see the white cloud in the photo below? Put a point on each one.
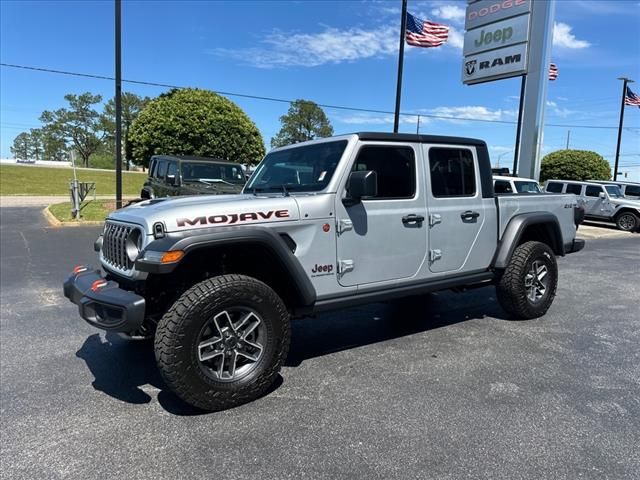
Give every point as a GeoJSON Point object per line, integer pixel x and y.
{"type": "Point", "coordinates": [379, 119]}
{"type": "Point", "coordinates": [456, 38]}
{"type": "Point", "coordinates": [562, 37]}
{"type": "Point", "coordinates": [450, 12]}
{"type": "Point", "coordinates": [551, 103]}
{"type": "Point", "coordinates": [284, 49]}
{"type": "Point", "coordinates": [471, 112]}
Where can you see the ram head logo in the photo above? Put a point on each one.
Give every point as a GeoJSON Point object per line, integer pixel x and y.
{"type": "Point", "coordinates": [470, 67]}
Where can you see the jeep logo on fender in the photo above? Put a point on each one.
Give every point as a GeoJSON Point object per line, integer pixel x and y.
{"type": "Point", "coordinates": [231, 218]}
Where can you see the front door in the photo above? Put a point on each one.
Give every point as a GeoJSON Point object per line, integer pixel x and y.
{"type": "Point", "coordinates": [594, 205]}
{"type": "Point", "coordinates": [456, 210]}
{"type": "Point", "coordinates": [385, 237]}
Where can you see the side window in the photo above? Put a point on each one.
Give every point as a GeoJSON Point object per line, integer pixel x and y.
{"type": "Point", "coordinates": [452, 172]}
{"type": "Point", "coordinates": [574, 188]}
{"type": "Point", "coordinates": [593, 191]}
{"type": "Point", "coordinates": [395, 166]}
{"type": "Point", "coordinates": [161, 169]}
{"type": "Point", "coordinates": [554, 187]}
{"type": "Point", "coordinates": [172, 170]}
{"type": "Point", "coordinates": [632, 190]}
{"type": "Point", "coordinates": [152, 168]}
{"type": "Point", "coordinates": [502, 186]}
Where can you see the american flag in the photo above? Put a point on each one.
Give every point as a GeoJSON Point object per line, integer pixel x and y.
{"type": "Point", "coordinates": [631, 98]}
{"type": "Point", "coordinates": [553, 72]}
{"type": "Point", "coordinates": [424, 33]}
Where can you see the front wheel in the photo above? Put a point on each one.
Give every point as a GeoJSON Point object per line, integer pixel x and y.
{"type": "Point", "coordinates": [223, 342]}
{"type": "Point", "coordinates": [628, 221]}
{"type": "Point", "coordinates": [528, 285]}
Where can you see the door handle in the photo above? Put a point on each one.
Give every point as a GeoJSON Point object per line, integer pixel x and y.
{"type": "Point", "coordinates": [469, 215]}
{"type": "Point", "coordinates": [412, 219]}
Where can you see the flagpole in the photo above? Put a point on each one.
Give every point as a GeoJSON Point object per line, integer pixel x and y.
{"type": "Point", "coordinates": [516, 153]}
{"type": "Point", "coordinates": [625, 81]}
{"type": "Point", "coordinates": [403, 26]}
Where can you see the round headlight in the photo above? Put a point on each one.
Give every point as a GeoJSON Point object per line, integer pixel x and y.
{"type": "Point", "coordinates": [133, 244]}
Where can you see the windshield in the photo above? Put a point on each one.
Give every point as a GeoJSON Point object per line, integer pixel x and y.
{"type": "Point", "coordinates": [527, 187]}
{"type": "Point", "coordinates": [299, 169]}
{"type": "Point", "coordinates": [212, 173]}
{"type": "Point", "coordinates": [614, 191]}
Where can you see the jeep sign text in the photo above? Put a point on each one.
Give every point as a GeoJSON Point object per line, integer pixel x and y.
{"type": "Point", "coordinates": [497, 35]}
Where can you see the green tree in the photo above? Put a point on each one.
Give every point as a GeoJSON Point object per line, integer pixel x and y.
{"type": "Point", "coordinates": [54, 146]}
{"type": "Point", "coordinates": [132, 105]}
{"type": "Point", "coordinates": [35, 146]}
{"type": "Point", "coordinates": [21, 146]}
{"type": "Point", "coordinates": [81, 125]}
{"type": "Point", "coordinates": [195, 122]}
{"type": "Point", "coordinates": [304, 121]}
{"type": "Point", "coordinates": [574, 165]}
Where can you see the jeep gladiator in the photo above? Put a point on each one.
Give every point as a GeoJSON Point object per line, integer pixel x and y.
{"type": "Point", "coordinates": [321, 225]}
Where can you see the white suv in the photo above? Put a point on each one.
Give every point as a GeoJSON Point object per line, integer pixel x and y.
{"type": "Point", "coordinates": [502, 184]}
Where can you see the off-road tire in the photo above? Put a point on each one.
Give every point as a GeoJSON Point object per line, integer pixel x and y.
{"type": "Point", "coordinates": [627, 221]}
{"type": "Point", "coordinates": [511, 290]}
{"type": "Point", "coordinates": [178, 333]}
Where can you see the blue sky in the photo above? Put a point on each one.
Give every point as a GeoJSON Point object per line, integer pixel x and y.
{"type": "Point", "coordinates": [331, 52]}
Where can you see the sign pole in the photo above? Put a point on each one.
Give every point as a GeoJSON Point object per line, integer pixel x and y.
{"type": "Point", "coordinates": [118, 102]}
{"type": "Point", "coordinates": [403, 26]}
{"type": "Point", "coordinates": [519, 127]}
{"type": "Point", "coordinates": [625, 81]}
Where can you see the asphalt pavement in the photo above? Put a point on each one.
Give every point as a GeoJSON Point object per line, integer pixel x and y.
{"type": "Point", "coordinates": [439, 387]}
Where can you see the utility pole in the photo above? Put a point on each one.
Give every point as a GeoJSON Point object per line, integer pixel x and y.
{"type": "Point", "coordinates": [403, 26]}
{"type": "Point", "coordinates": [118, 101]}
{"type": "Point", "coordinates": [418, 126]}
{"type": "Point", "coordinates": [568, 137]}
{"type": "Point", "coordinates": [625, 81]}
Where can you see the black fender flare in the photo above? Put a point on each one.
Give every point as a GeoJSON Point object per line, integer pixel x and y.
{"type": "Point", "coordinates": [517, 226]}
{"type": "Point", "coordinates": [149, 191]}
{"type": "Point", "coordinates": [191, 241]}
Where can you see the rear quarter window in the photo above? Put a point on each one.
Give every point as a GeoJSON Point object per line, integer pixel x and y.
{"type": "Point", "coordinates": [572, 188]}
{"type": "Point", "coordinates": [554, 187]}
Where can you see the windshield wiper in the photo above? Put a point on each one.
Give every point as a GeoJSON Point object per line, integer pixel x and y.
{"type": "Point", "coordinates": [284, 191]}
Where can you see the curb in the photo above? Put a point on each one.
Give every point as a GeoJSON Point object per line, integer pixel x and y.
{"type": "Point", "coordinates": [54, 222]}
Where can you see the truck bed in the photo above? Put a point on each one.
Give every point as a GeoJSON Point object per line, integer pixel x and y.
{"type": "Point", "coordinates": [561, 205]}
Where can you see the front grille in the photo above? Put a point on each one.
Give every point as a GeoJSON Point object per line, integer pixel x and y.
{"type": "Point", "coordinates": [114, 245]}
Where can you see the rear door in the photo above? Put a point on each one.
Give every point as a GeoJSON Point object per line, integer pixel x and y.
{"type": "Point", "coordinates": [457, 211]}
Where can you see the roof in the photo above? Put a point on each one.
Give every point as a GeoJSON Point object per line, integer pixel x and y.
{"type": "Point", "coordinates": [192, 158]}
{"type": "Point", "coordinates": [416, 138]}
{"type": "Point", "coordinates": [502, 177]}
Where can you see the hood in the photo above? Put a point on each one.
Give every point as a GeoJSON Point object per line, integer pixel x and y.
{"type": "Point", "coordinates": [625, 202]}
{"type": "Point", "coordinates": [205, 211]}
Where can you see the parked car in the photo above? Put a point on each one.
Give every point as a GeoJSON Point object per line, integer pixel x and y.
{"type": "Point", "coordinates": [171, 175]}
{"type": "Point", "coordinates": [503, 184]}
{"type": "Point", "coordinates": [630, 190]}
{"type": "Point", "coordinates": [322, 225]}
{"type": "Point", "coordinates": [601, 201]}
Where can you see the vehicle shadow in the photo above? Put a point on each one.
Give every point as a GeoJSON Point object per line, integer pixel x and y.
{"type": "Point", "coordinates": [121, 368]}
{"type": "Point", "coordinates": [374, 323]}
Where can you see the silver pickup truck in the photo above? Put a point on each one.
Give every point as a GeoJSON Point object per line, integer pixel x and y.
{"type": "Point", "coordinates": [321, 225]}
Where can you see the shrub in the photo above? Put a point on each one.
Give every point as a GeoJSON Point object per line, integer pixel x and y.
{"type": "Point", "coordinates": [574, 165]}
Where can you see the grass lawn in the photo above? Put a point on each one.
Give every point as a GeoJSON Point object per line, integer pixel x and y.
{"type": "Point", "coordinates": [32, 180]}
{"type": "Point", "coordinates": [89, 211]}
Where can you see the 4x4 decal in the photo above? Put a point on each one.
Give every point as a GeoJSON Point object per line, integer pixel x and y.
{"type": "Point", "coordinates": [232, 218]}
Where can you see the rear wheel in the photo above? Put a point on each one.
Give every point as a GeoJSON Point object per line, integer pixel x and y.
{"type": "Point", "coordinates": [628, 221]}
{"type": "Point", "coordinates": [528, 284]}
{"type": "Point", "coordinates": [223, 342]}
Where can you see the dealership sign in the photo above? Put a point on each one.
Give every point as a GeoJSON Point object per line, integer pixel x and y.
{"type": "Point", "coordinates": [495, 64]}
{"type": "Point", "coordinates": [496, 40]}
{"type": "Point", "coordinates": [489, 11]}
{"type": "Point", "coordinates": [497, 35]}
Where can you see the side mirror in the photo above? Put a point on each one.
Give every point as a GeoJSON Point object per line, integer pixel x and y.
{"type": "Point", "coordinates": [602, 195]}
{"type": "Point", "coordinates": [361, 185]}
{"type": "Point", "coordinates": [173, 180]}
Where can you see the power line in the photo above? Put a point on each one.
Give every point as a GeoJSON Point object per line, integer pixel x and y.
{"type": "Point", "coordinates": [282, 100]}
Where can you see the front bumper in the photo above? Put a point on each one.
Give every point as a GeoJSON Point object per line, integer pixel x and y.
{"type": "Point", "coordinates": [104, 305]}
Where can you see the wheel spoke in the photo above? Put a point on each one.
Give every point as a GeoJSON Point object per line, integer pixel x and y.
{"type": "Point", "coordinates": [250, 328]}
{"type": "Point", "coordinates": [238, 328]}
{"type": "Point", "coordinates": [222, 321]}
{"type": "Point", "coordinates": [206, 345]}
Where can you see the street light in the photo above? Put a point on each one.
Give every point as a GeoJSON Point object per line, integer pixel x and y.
{"type": "Point", "coordinates": [502, 155]}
